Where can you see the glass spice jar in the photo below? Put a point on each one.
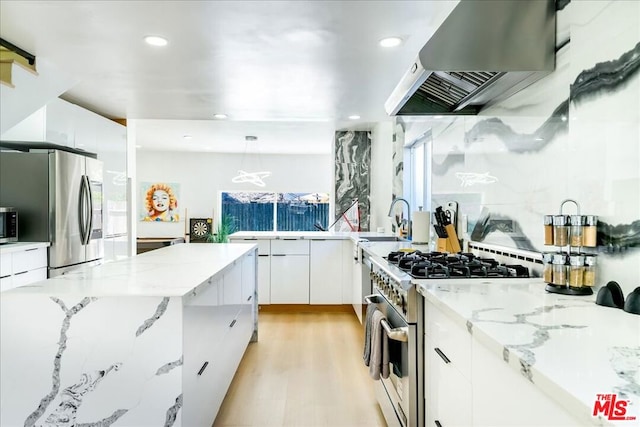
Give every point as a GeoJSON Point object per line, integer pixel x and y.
{"type": "Point", "coordinates": [547, 267]}
{"type": "Point", "coordinates": [576, 271]}
{"type": "Point", "coordinates": [575, 233]}
{"type": "Point", "coordinates": [589, 231]}
{"type": "Point", "coordinates": [559, 269]}
{"type": "Point", "coordinates": [560, 230]}
{"type": "Point", "coordinates": [589, 278]}
{"type": "Point", "coordinates": [548, 229]}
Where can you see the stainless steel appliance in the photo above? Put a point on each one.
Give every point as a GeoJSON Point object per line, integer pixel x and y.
{"type": "Point", "coordinates": [59, 197]}
{"type": "Point", "coordinates": [8, 225]}
{"type": "Point", "coordinates": [401, 395]}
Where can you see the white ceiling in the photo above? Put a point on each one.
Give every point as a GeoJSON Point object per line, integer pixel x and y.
{"type": "Point", "coordinates": [288, 72]}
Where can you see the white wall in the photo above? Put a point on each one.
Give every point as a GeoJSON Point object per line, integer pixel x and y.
{"type": "Point", "coordinates": [202, 176]}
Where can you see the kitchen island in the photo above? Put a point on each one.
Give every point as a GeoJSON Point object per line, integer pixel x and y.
{"type": "Point", "coordinates": [150, 340]}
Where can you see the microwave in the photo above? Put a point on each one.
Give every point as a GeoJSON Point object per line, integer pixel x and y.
{"type": "Point", "coordinates": [8, 225]}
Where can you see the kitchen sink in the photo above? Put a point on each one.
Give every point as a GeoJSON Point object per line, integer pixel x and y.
{"type": "Point", "coordinates": [385, 239]}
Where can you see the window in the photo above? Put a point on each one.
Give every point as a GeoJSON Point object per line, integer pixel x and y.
{"type": "Point", "coordinates": [260, 211]}
{"type": "Point", "coordinates": [417, 175]}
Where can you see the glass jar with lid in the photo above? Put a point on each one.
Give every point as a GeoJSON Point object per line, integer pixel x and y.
{"type": "Point", "coordinates": [547, 267]}
{"type": "Point", "coordinates": [575, 233]}
{"type": "Point", "coordinates": [576, 271]}
{"type": "Point", "coordinates": [589, 278]}
{"type": "Point", "coordinates": [560, 230]}
{"type": "Point", "coordinates": [548, 229]}
{"type": "Point", "coordinates": [559, 262]}
{"type": "Point", "coordinates": [589, 231]}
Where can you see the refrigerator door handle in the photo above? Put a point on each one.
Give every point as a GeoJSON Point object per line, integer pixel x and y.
{"type": "Point", "coordinates": [81, 211]}
{"type": "Point", "coordinates": [90, 213]}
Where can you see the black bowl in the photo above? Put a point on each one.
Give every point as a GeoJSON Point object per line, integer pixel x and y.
{"type": "Point", "coordinates": [610, 295]}
{"type": "Point", "coordinates": [632, 304]}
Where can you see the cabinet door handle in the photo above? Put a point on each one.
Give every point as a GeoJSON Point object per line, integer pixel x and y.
{"type": "Point", "coordinates": [289, 239]}
{"type": "Point", "coordinates": [204, 366]}
{"type": "Point", "coordinates": [279, 255]}
{"type": "Point", "coordinates": [22, 272]}
{"type": "Point", "coordinates": [438, 423]}
{"type": "Point", "coordinates": [33, 249]}
{"type": "Point", "coordinates": [232, 323]}
{"type": "Point", "coordinates": [249, 299]}
{"type": "Point", "coordinates": [442, 355]}
{"type": "Point", "coordinates": [263, 254]}
{"type": "Point", "coordinates": [318, 240]}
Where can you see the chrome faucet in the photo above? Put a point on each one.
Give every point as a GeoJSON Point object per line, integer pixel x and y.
{"type": "Point", "coordinates": [393, 203]}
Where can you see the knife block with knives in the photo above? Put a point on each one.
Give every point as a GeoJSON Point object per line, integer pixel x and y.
{"type": "Point", "coordinates": [447, 236]}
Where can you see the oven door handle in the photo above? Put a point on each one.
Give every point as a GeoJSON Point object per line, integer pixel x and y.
{"type": "Point", "coordinates": [397, 334]}
{"type": "Point", "coordinates": [371, 299]}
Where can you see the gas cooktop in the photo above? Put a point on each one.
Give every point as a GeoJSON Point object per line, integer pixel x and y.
{"type": "Point", "coordinates": [438, 265]}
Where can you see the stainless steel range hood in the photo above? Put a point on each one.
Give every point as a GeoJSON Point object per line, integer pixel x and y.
{"type": "Point", "coordinates": [484, 52]}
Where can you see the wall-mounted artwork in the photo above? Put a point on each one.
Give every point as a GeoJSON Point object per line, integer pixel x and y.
{"type": "Point", "coordinates": [159, 201]}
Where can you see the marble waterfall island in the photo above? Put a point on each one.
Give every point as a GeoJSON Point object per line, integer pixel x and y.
{"type": "Point", "coordinates": [152, 340]}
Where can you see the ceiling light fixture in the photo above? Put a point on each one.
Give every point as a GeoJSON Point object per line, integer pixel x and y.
{"type": "Point", "coordinates": [354, 117]}
{"type": "Point", "coordinates": [220, 116]}
{"type": "Point", "coordinates": [391, 42]}
{"type": "Point", "coordinates": [256, 178]}
{"type": "Point", "coordinates": [156, 40]}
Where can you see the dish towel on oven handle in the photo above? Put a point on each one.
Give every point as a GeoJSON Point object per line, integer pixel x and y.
{"type": "Point", "coordinates": [379, 359]}
{"type": "Point", "coordinates": [371, 308]}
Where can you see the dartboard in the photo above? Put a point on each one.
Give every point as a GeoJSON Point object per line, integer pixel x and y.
{"type": "Point", "coordinates": [200, 229]}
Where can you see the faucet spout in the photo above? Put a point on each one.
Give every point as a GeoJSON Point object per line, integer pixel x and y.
{"type": "Point", "coordinates": [393, 203]}
{"type": "Point", "coordinates": [400, 199]}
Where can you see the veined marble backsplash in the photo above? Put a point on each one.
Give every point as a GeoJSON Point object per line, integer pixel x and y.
{"type": "Point", "coordinates": [573, 135]}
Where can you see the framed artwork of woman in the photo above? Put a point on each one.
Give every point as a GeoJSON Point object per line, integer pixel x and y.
{"type": "Point", "coordinates": [160, 202]}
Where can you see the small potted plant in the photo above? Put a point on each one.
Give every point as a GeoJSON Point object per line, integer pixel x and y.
{"type": "Point", "coordinates": [225, 228]}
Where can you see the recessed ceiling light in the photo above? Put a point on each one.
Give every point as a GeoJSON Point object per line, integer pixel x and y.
{"type": "Point", "coordinates": [220, 116]}
{"type": "Point", "coordinates": [156, 40]}
{"type": "Point", "coordinates": [186, 137]}
{"type": "Point", "coordinates": [354, 117]}
{"type": "Point", "coordinates": [391, 42]}
{"type": "Point", "coordinates": [250, 138]}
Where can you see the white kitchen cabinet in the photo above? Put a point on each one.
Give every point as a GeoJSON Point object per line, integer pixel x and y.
{"type": "Point", "coordinates": [355, 259]}
{"type": "Point", "coordinates": [503, 397]}
{"type": "Point", "coordinates": [22, 266]}
{"type": "Point", "coordinates": [448, 392]}
{"type": "Point", "coordinates": [218, 324]}
{"type": "Point", "coordinates": [264, 267]}
{"type": "Point", "coordinates": [325, 272]}
{"type": "Point", "coordinates": [289, 271]}
{"type": "Point", "coordinates": [346, 262]}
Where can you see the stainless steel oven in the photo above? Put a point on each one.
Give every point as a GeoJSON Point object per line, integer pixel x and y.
{"type": "Point", "coordinates": [8, 225]}
{"type": "Point", "coordinates": [401, 395]}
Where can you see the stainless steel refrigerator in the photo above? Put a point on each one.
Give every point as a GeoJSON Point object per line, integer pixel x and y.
{"type": "Point", "coordinates": [58, 196]}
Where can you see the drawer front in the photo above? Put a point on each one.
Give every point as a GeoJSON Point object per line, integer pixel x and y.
{"type": "Point", "coordinates": [290, 247]}
{"type": "Point", "coordinates": [264, 247]}
{"type": "Point", "coordinates": [28, 277]}
{"type": "Point", "coordinates": [29, 260]}
{"type": "Point", "coordinates": [6, 283]}
{"type": "Point", "coordinates": [452, 340]}
{"type": "Point", "coordinates": [6, 265]}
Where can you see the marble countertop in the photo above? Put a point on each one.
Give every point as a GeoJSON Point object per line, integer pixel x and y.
{"type": "Point", "coordinates": [568, 346]}
{"type": "Point", "coordinates": [172, 271]}
{"type": "Point", "coordinates": [328, 235]}
{"type": "Point", "coordinates": [6, 248]}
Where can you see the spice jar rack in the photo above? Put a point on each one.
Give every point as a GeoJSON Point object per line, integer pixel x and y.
{"type": "Point", "coordinates": [569, 270]}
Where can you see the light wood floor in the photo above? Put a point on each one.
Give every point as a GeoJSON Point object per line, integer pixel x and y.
{"type": "Point", "coordinates": [305, 370]}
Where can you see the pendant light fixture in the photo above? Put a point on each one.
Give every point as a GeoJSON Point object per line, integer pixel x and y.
{"type": "Point", "coordinates": [256, 178]}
